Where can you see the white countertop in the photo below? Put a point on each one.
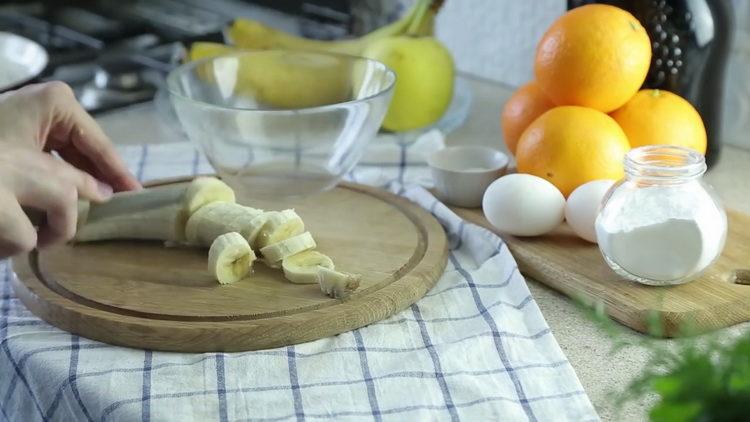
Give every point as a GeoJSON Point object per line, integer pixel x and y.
{"type": "Point", "coordinates": [587, 346]}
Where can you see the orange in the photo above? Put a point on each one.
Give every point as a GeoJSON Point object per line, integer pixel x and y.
{"type": "Point", "coordinates": [572, 145]}
{"type": "Point", "coordinates": [525, 105]}
{"type": "Point", "coordinates": [654, 117]}
{"type": "Point", "coordinates": [594, 56]}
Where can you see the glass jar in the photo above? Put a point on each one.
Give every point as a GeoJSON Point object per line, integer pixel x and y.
{"type": "Point", "coordinates": [661, 224]}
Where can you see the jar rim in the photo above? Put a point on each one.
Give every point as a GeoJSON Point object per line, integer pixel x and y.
{"type": "Point", "coordinates": [664, 161]}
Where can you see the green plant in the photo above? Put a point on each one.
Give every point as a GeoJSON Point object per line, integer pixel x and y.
{"type": "Point", "coordinates": [696, 379]}
{"type": "Point", "coordinates": [697, 382]}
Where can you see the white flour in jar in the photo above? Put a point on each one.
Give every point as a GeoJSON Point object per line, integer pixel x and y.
{"type": "Point", "coordinates": [661, 237]}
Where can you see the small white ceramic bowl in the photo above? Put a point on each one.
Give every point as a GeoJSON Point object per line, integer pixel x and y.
{"type": "Point", "coordinates": [462, 174]}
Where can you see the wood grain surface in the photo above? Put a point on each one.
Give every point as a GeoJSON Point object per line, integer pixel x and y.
{"type": "Point", "coordinates": [562, 261]}
{"type": "Point", "coordinates": [144, 295]}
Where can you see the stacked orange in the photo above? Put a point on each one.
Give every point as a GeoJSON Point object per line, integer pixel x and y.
{"type": "Point", "coordinates": [575, 122]}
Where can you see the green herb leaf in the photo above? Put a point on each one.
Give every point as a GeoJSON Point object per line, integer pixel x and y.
{"type": "Point", "coordinates": [675, 412]}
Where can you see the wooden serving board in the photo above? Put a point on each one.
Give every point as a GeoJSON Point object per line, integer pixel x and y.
{"type": "Point", "coordinates": [561, 260]}
{"type": "Point", "coordinates": [144, 295]}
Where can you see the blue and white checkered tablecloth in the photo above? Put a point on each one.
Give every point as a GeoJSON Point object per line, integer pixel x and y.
{"type": "Point", "coordinates": [475, 348]}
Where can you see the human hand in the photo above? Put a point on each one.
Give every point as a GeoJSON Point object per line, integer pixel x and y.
{"type": "Point", "coordinates": [34, 121]}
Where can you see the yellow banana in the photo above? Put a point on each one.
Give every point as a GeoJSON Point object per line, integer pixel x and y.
{"type": "Point", "coordinates": [277, 79]}
{"type": "Point", "coordinates": [251, 34]}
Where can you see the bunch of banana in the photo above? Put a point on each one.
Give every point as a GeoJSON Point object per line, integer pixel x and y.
{"type": "Point", "coordinates": [424, 66]}
{"type": "Point", "coordinates": [204, 213]}
{"type": "Point", "coordinates": [276, 79]}
{"type": "Point", "coordinates": [253, 35]}
{"type": "Point", "coordinates": [287, 81]}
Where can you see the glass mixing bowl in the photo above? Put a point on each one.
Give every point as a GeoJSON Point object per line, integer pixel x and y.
{"type": "Point", "coordinates": [281, 123]}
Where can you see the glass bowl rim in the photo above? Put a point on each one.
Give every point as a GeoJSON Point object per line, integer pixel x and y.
{"type": "Point", "coordinates": [171, 82]}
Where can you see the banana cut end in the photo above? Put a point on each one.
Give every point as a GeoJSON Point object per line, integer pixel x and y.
{"type": "Point", "coordinates": [280, 225]}
{"type": "Point", "coordinates": [205, 190]}
{"type": "Point", "coordinates": [337, 285]}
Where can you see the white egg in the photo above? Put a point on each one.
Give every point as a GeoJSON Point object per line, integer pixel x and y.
{"type": "Point", "coordinates": [582, 207]}
{"type": "Point", "coordinates": [523, 205]}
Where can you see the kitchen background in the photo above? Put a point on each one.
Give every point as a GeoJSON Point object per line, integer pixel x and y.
{"type": "Point", "coordinates": [489, 39]}
{"type": "Point", "coordinates": [114, 53]}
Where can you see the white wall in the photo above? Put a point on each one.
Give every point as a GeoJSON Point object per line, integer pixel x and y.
{"type": "Point", "coordinates": [736, 113]}
{"type": "Point", "coordinates": [495, 39]}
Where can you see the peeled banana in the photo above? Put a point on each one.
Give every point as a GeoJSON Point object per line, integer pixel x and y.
{"type": "Point", "coordinates": [274, 254]}
{"type": "Point", "coordinates": [303, 268]}
{"type": "Point", "coordinates": [158, 213]}
{"type": "Point", "coordinates": [230, 258]}
{"type": "Point", "coordinates": [204, 213]}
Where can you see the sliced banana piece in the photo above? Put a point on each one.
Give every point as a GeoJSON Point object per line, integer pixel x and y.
{"type": "Point", "coordinates": [253, 227]}
{"type": "Point", "coordinates": [217, 218]}
{"type": "Point", "coordinates": [274, 254]}
{"type": "Point", "coordinates": [337, 284]}
{"type": "Point", "coordinates": [205, 190]}
{"type": "Point", "coordinates": [281, 225]}
{"type": "Point", "coordinates": [302, 268]}
{"type": "Point", "coordinates": [230, 258]}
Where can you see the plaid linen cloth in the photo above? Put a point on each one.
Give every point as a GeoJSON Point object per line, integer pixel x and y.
{"type": "Point", "coordinates": [475, 348]}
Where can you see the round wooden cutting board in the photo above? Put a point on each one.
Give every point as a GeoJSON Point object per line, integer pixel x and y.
{"type": "Point", "coordinates": [144, 295]}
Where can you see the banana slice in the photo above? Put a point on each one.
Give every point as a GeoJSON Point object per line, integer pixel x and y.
{"type": "Point", "coordinates": [253, 227]}
{"type": "Point", "coordinates": [302, 268]}
{"type": "Point", "coordinates": [281, 225]}
{"type": "Point", "coordinates": [217, 218]}
{"type": "Point", "coordinates": [205, 190]}
{"type": "Point", "coordinates": [337, 284]}
{"type": "Point", "coordinates": [230, 258]}
{"type": "Point", "coordinates": [274, 254]}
